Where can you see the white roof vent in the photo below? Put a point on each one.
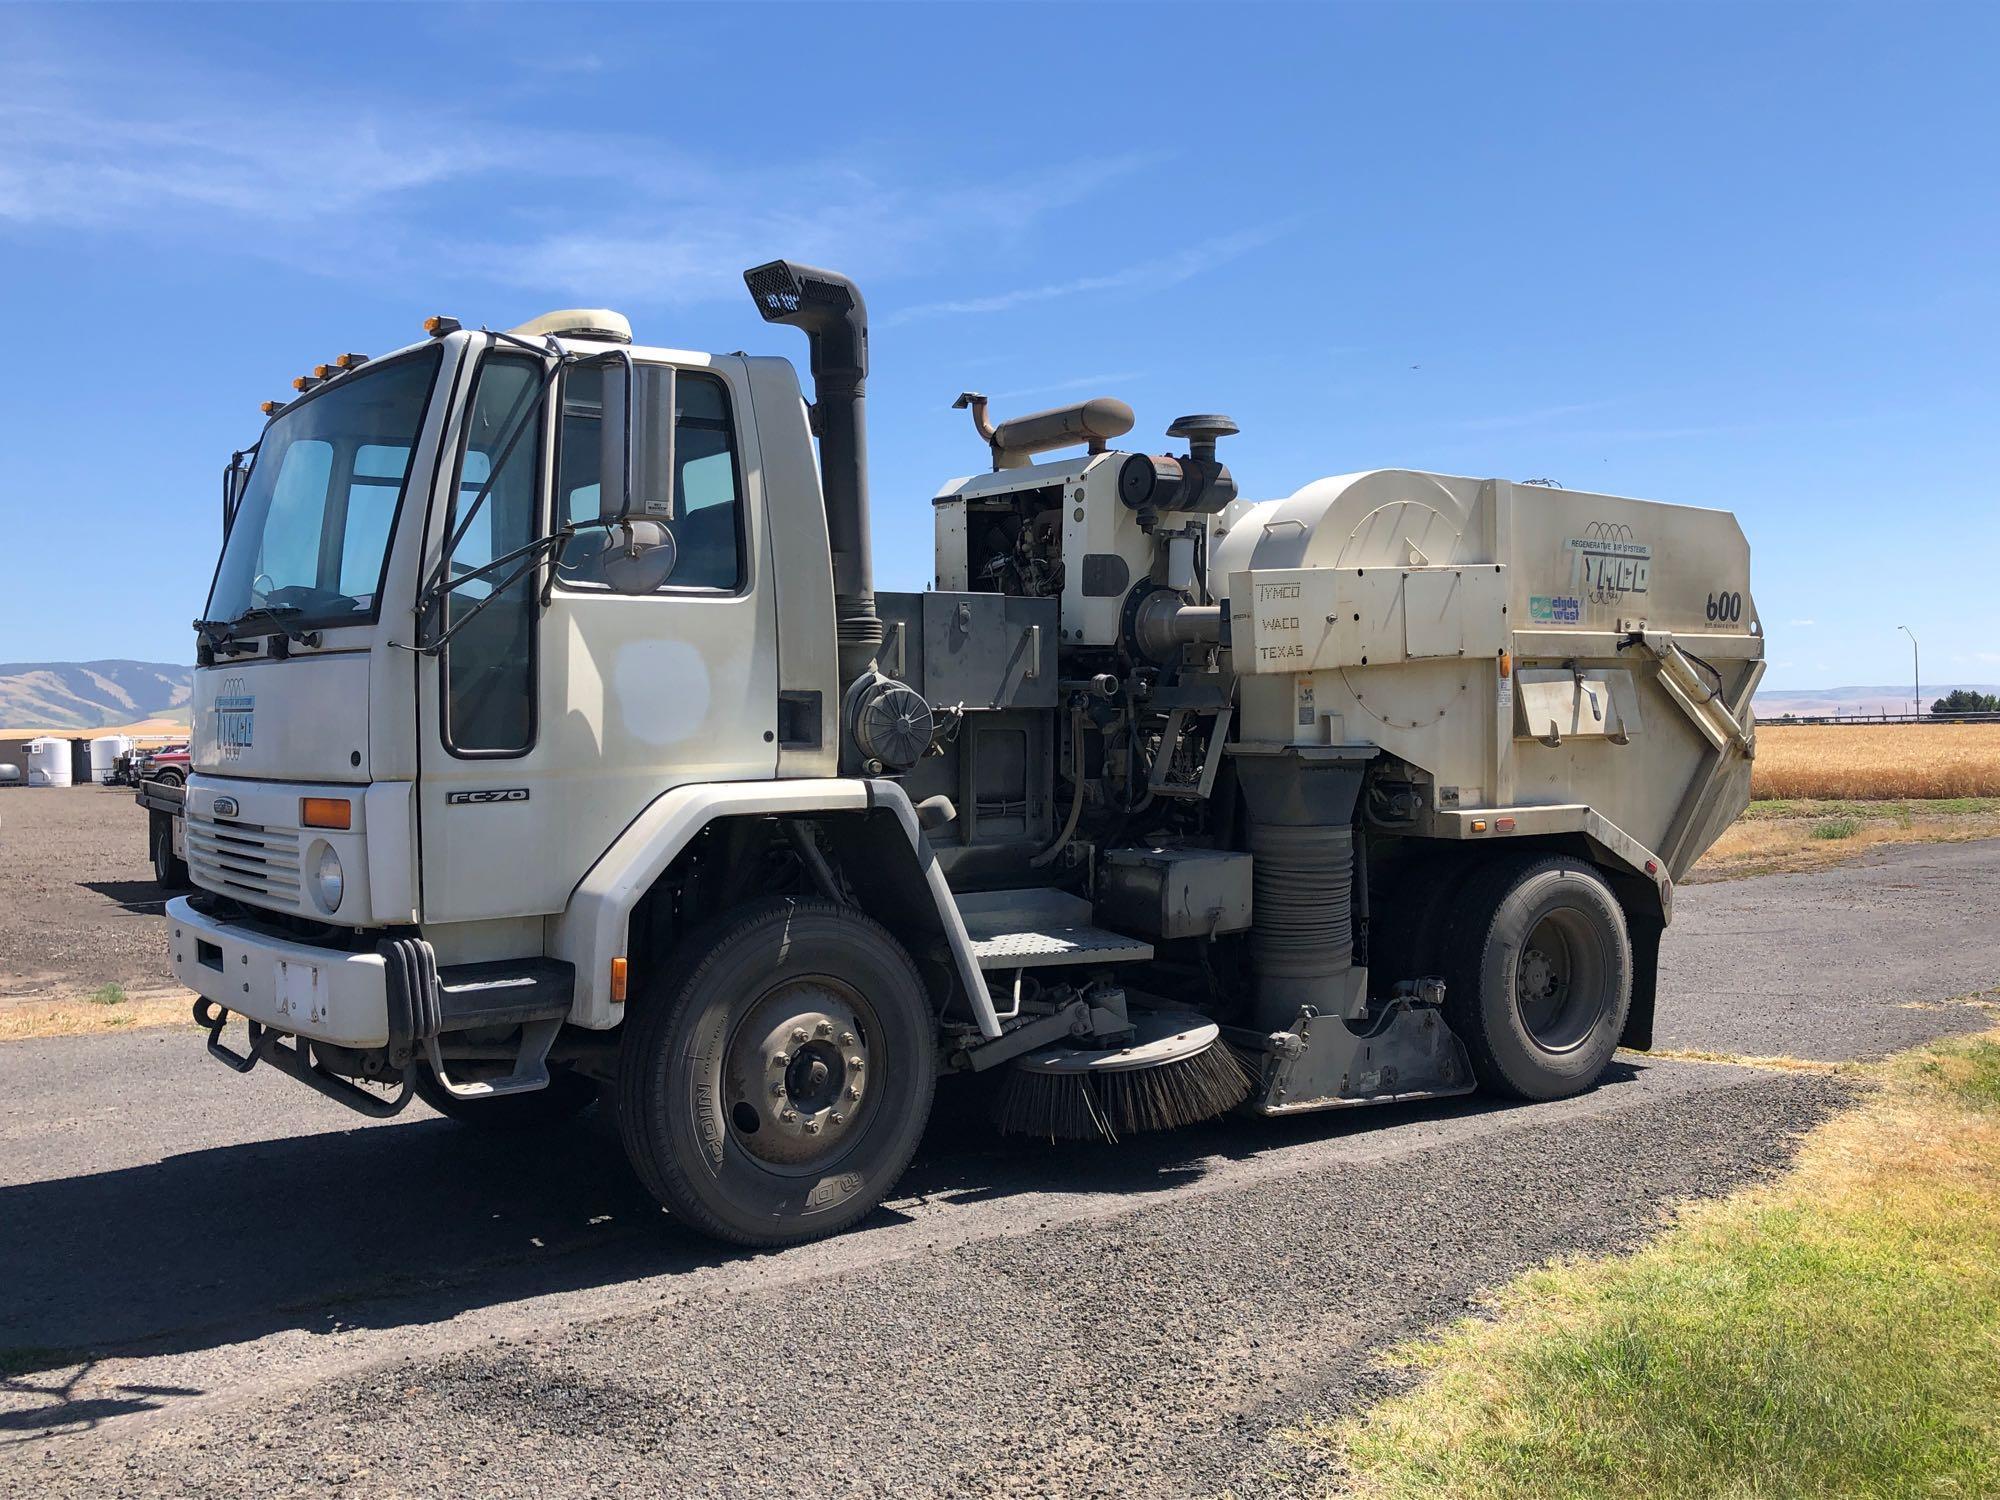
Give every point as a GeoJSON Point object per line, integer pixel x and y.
{"type": "Point", "coordinates": [579, 323]}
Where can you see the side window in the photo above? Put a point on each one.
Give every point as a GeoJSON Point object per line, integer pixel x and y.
{"type": "Point", "coordinates": [705, 487]}
{"type": "Point", "coordinates": [707, 523]}
{"type": "Point", "coordinates": [489, 667]}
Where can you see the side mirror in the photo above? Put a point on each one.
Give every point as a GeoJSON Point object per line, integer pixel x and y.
{"type": "Point", "coordinates": [635, 473]}
{"type": "Point", "coordinates": [234, 479]}
{"type": "Point", "coordinates": [636, 441]}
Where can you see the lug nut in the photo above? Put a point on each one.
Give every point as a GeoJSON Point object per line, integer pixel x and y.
{"type": "Point", "coordinates": [854, 1062]}
{"type": "Point", "coordinates": [853, 1092]}
{"type": "Point", "coordinates": [779, 1059]}
{"type": "Point", "coordinates": [847, 1039]}
{"type": "Point", "coordinates": [778, 1090]}
{"type": "Point", "coordinates": [789, 1115]}
{"type": "Point", "coordinates": [798, 1033]}
{"type": "Point", "coordinates": [823, 1029]}
{"type": "Point", "coordinates": [838, 1119]}
{"type": "Point", "coordinates": [812, 1127]}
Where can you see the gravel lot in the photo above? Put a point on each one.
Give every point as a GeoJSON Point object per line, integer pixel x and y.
{"type": "Point", "coordinates": [296, 1300]}
{"type": "Point", "coordinates": [78, 907]}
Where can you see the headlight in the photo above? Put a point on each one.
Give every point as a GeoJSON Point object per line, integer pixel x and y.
{"type": "Point", "coordinates": [326, 878]}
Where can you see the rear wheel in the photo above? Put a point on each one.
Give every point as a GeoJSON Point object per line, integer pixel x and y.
{"type": "Point", "coordinates": [567, 1095]}
{"type": "Point", "coordinates": [170, 871]}
{"type": "Point", "coordinates": [1538, 975]}
{"type": "Point", "coordinates": [773, 1087]}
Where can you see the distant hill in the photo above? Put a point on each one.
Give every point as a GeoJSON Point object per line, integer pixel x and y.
{"type": "Point", "coordinates": [1828, 702]}
{"type": "Point", "coordinates": [92, 694]}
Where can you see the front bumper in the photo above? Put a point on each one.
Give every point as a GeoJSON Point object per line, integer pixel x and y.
{"type": "Point", "coordinates": [320, 993]}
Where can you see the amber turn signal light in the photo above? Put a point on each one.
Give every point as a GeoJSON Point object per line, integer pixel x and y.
{"type": "Point", "coordinates": [326, 812]}
{"type": "Point", "coordinates": [617, 981]}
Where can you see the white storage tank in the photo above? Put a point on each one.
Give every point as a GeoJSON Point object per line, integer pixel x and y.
{"type": "Point", "coordinates": [48, 762]}
{"type": "Point", "coordinates": [104, 753]}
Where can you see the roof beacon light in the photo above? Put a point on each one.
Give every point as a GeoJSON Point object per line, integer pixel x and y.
{"type": "Point", "coordinates": [437, 325]}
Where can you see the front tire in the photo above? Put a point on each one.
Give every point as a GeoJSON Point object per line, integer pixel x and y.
{"type": "Point", "coordinates": [1538, 975]}
{"type": "Point", "coordinates": [774, 1085]}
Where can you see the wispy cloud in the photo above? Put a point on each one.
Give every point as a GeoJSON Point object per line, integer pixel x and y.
{"type": "Point", "coordinates": [352, 185]}
{"type": "Point", "coordinates": [1801, 624]}
{"type": "Point", "coordinates": [1081, 383]}
{"type": "Point", "coordinates": [1161, 271]}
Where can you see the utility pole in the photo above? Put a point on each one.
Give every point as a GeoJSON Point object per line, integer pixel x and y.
{"type": "Point", "coordinates": [1916, 673]}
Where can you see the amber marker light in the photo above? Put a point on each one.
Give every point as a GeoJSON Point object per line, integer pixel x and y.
{"type": "Point", "coordinates": [326, 812]}
{"type": "Point", "coordinates": [437, 325]}
{"type": "Point", "coordinates": [617, 981]}
{"type": "Point", "coordinates": [268, 408]}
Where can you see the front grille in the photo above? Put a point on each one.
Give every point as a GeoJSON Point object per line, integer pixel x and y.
{"type": "Point", "coordinates": [245, 860]}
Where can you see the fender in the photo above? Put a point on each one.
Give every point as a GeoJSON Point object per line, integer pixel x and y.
{"type": "Point", "coordinates": [592, 929]}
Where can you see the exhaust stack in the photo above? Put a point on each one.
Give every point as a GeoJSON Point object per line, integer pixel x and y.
{"type": "Point", "coordinates": [829, 308]}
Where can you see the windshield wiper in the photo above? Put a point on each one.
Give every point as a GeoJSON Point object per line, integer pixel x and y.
{"type": "Point", "coordinates": [223, 635]}
{"type": "Point", "coordinates": [276, 614]}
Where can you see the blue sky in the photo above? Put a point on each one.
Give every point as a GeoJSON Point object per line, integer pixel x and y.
{"type": "Point", "coordinates": [1739, 256]}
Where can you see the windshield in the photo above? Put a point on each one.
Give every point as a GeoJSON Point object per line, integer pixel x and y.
{"type": "Point", "coordinates": [311, 535]}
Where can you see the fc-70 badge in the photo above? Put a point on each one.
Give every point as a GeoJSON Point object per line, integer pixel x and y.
{"type": "Point", "coordinates": [482, 797]}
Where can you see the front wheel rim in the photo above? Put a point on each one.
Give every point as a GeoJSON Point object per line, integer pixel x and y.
{"type": "Point", "coordinates": [800, 1075]}
{"type": "Point", "coordinates": [1561, 980]}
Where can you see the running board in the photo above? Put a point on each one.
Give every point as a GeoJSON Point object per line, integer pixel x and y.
{"type": "Point", "coordinates": [510, 992]}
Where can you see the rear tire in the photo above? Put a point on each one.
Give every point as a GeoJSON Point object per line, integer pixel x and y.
{"type": "Point", "coordinates": [170, 871]}
{"type": "Point", "coordinates": [1538, 975]}
{"type": "Point", "coordinates": [567, 1096]}
{"type": "Point", "coordinates": [773, 1086]}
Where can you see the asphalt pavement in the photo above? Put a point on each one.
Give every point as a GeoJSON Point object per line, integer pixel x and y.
{"type": "Point", "coordinates": [223, 1286]}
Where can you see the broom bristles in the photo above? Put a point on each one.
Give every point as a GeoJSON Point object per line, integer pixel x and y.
{"type": "Point", "coordinates": [1099, 1105]}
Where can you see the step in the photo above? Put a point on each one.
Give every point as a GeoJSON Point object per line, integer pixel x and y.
{"type": "Point", "coordinates": [1040, 927]}
{"type": "Point", "coordinates": [508, 992]}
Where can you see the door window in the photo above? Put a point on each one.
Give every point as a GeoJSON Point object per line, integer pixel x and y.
{"type": "Point", "coordinates": [707, 525]}
{"type": "Point", "coordinates": [489, 665]}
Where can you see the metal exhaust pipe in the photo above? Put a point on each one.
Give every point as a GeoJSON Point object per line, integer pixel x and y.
{"type": "Point", "coordinates": [828, 307]}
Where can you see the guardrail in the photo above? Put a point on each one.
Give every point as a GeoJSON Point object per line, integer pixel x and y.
{"type": "Point", "coordinates": [1982, 718]}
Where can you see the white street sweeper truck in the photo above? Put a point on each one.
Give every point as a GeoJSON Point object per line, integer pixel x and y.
{"type": "Point", "coordinates": [552, 742]}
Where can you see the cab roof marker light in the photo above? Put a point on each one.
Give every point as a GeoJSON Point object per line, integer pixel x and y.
{"type": "Point", "coordinates": [437, 325]}
{"type": "Point", "coordinates": [270, 408]}
{"type": "Point", "coordinates": [325, 372]}
{"type": "Point", "coordinates": [351, 361]}
{"type": "Point", "coordinates": [304, 382]}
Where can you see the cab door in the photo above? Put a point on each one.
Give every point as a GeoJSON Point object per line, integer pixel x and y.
{"type": "Point", "coordinates": [549, 728]}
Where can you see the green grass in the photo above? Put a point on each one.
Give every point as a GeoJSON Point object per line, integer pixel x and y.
{"type": "Point", "coordinates": [1837, 828]}
{"type": "Point", "coordinates": [108, 994]}
{"type": "Point", "coordinates": [1836, 1333]}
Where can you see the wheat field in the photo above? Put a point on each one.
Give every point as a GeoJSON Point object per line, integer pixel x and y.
{"type": "Point", "coordinates": [1871, 761]}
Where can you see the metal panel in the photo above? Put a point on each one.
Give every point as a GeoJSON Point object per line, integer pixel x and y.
{"type": "Point", "coordinates": [990, 650]}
